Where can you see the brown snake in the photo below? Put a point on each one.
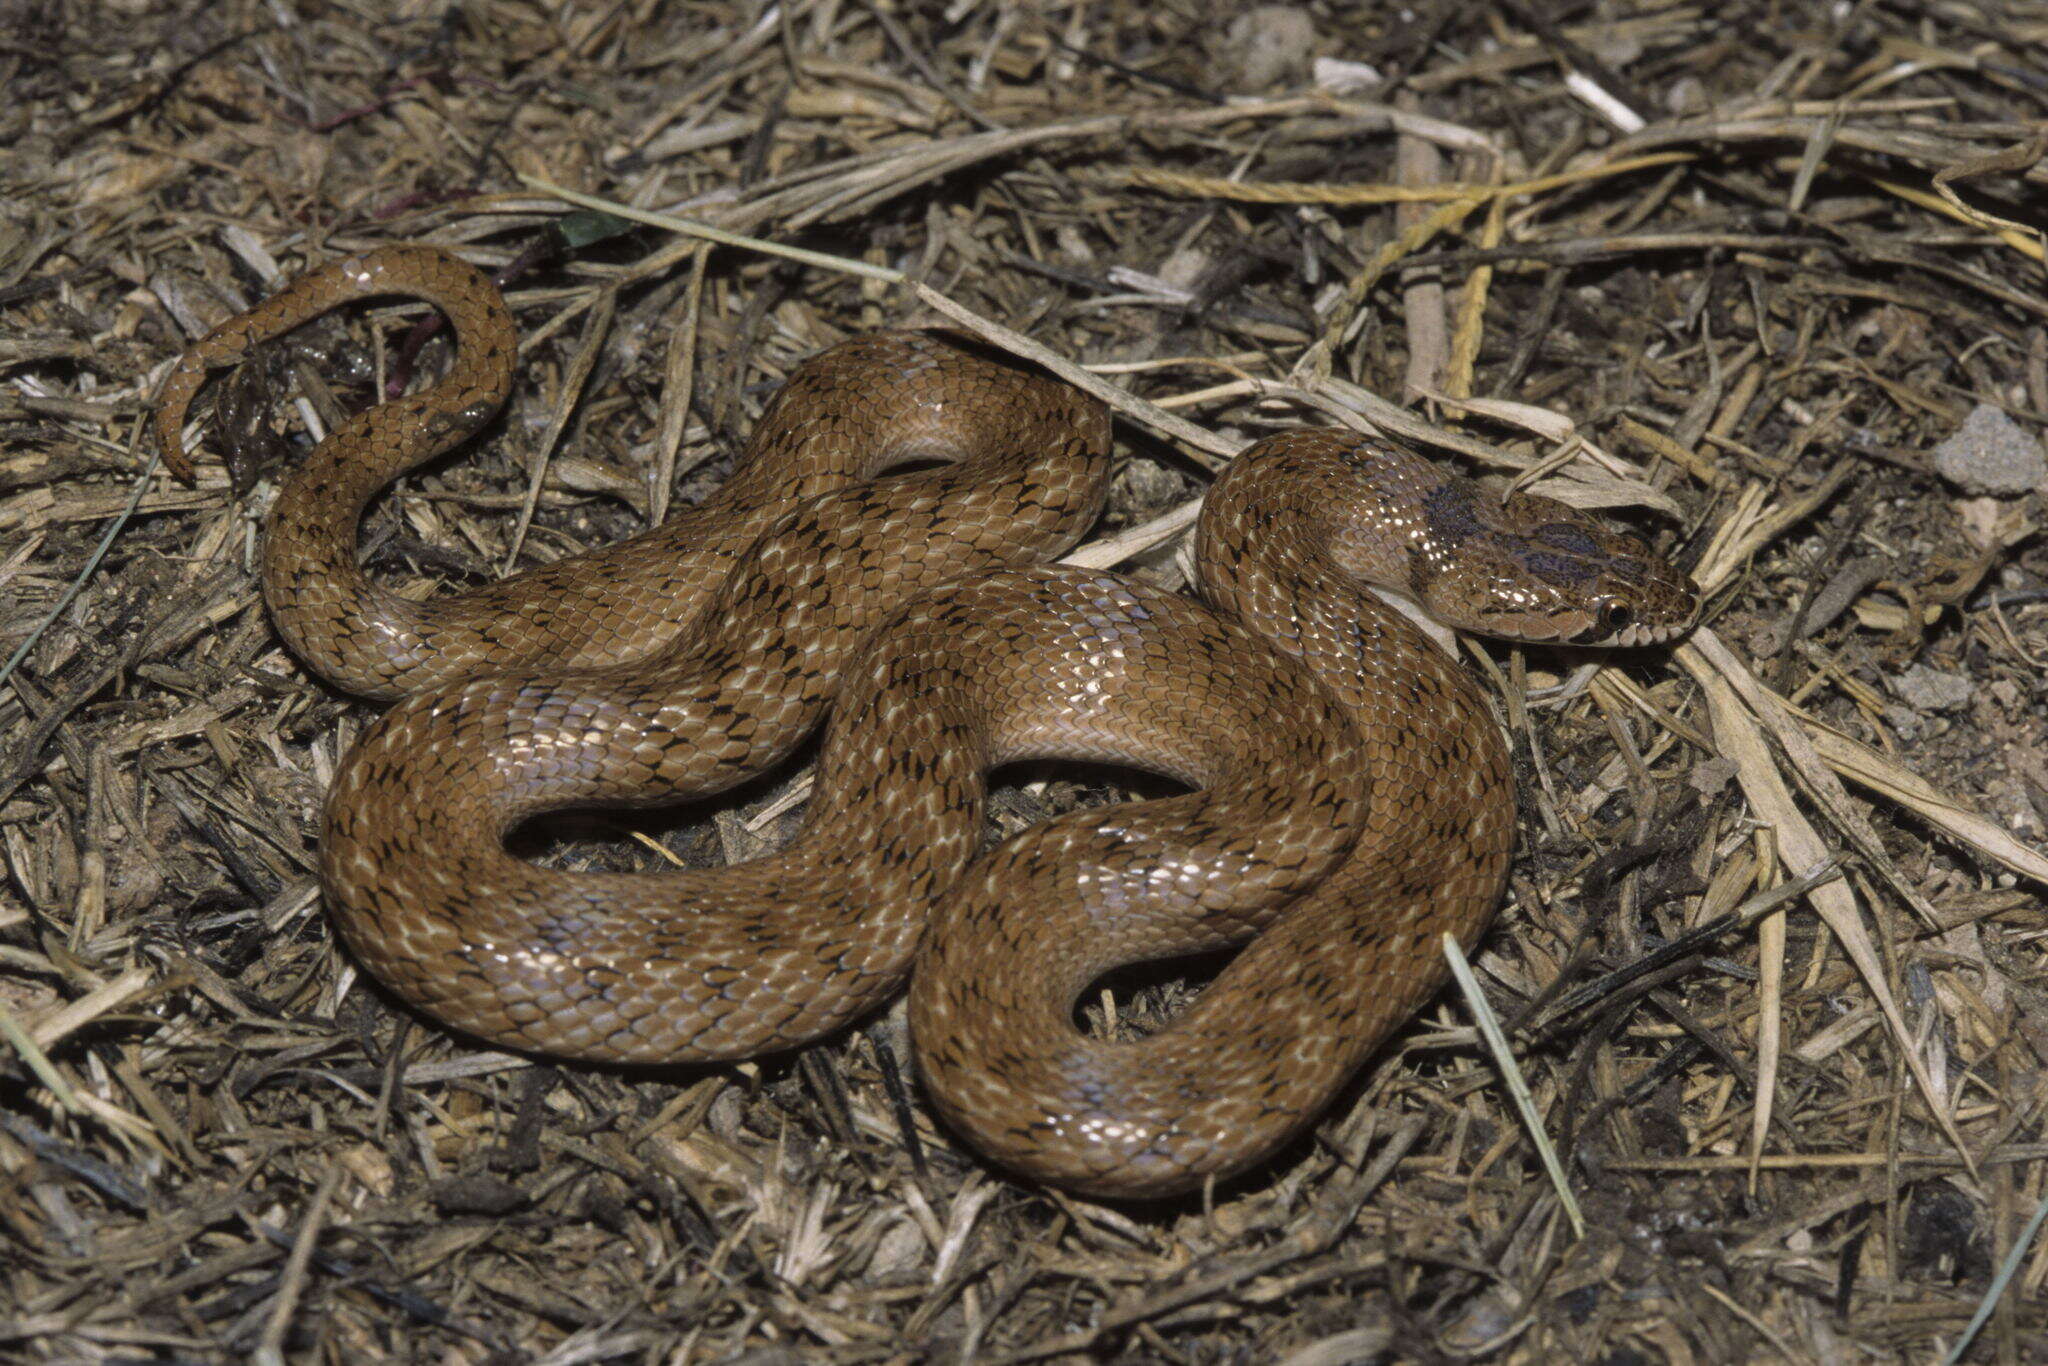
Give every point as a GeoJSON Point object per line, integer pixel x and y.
{"type": "Point", "coordinates": [1344, 815]}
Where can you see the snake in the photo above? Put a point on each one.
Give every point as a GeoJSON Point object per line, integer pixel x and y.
{"type": "Point", "coordinates": [878, 563]}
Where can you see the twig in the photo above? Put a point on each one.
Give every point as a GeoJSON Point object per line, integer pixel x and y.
{"type": "Point", "coordinates": [1511, 1072]}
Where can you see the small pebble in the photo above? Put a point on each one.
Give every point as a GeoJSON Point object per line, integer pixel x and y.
{"type": "Point", "coordinates": [1990, 453]}
{"type": "Point", "coordinates": [1269, 44]}
{"type": "Point", "coordinates": [1905, 723]}
{"type": "Point", "coordinates": [899, 1252]}
{"type": "Point", "coordinates": [1687, 95]}
{"type": "Point", "coordinates": [1926, 689]}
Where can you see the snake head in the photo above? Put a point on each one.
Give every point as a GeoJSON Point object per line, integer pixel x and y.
{"type": "Point", "coordinates": [1532, 568]}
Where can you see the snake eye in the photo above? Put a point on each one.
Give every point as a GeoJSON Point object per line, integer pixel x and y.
{"type": "Point", "coordinates": [1614, 616]}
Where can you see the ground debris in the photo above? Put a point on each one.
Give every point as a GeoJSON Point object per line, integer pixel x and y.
{"type": "Point", "coordinates": [1990, 453]}
{"type": "Point", "coordinates": [1750, 276]}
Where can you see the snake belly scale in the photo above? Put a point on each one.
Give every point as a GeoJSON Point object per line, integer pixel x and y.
{"type": "Point", "coordinates": [1351, 798]}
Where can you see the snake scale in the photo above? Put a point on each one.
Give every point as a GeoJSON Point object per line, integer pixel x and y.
{"type": "Point", "coordinates": [1349, 794]}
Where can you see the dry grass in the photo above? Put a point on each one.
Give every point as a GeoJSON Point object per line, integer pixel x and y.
{"type": "Point", "coordinates": [1731, 270]}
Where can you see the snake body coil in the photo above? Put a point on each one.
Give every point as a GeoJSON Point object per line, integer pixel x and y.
{"type": "Point", "coordinates": [1352, 799]}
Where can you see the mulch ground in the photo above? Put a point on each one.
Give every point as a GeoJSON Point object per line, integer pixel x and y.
{"type": "Point", "coordinates": [1762, 280]}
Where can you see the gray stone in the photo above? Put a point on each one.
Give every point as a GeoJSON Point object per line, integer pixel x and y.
{"type": "Point", "coordinates": [1990, 453]}
{"type": "Point", "coordinates": [1269, 44]}
{"type": "Point", "coordinates": [1925, 689]}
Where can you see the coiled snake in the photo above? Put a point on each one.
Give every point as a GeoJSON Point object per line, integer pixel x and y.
{"type": "Point", "coordinates": [1351, 798]}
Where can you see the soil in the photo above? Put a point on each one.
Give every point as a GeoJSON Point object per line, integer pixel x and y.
{"type": "Point", "coordinates": [1761, 280]}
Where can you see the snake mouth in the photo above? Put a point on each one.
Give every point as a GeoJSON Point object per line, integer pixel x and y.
{"type": "Point", "coordinates": [1640, 633]}
{"type": "Point", "coordinates": [1638, 636]}
{"type": "Point", "coordinates": [1633, 634]}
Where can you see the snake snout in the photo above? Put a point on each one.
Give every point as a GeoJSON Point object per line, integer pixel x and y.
{"type": "Point", "coordinates": [1608, 607]}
